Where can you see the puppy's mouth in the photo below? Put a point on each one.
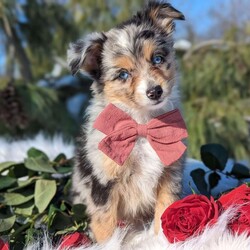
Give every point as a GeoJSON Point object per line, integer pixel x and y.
{"type": "Point", "coordinates": [157, 102]}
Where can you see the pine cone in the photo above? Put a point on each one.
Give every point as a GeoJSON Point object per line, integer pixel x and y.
{"type": "Point", "coordinates": [11, 109]}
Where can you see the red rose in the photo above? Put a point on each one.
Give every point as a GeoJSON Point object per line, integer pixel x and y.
{"type": "Point", "coordinates": [188, 217]}
{"type": "Point", "coordinates": [241, 223]}
{"type": "Point", "coordinates": [239, 196]}
{"type": "Point", "coordinates": [4, 245]}
{"type": "Point", "coordinates": [75, 239]}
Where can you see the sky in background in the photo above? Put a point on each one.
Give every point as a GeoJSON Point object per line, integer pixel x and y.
{"type": "Point", "coordinates": [197, 13]}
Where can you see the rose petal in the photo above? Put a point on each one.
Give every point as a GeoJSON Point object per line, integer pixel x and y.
{"type": "Point", "coordinates": [4, 245]}
{"type": "Point", "coordinates": [74, 240]}
{"type": "Point", "coordinates": [188, 217]}
{"type": "Point", "coordinates": [239, 195]}
{"type": "Point", "coordinates": [241, 223]}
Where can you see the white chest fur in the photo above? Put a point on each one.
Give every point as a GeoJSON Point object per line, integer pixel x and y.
{"type": "Point", "coordinates": [140, 179]}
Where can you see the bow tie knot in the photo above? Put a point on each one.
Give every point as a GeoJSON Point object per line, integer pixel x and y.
{"type": "Point", "coordinates": [164, 133]}
{"type": "Point", "coordinates": [142, 130]}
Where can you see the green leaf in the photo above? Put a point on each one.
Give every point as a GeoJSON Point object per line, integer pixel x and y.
{"type": "Point", "coordinates": [240, 171]}
{"type": "Point", "coordinates": [79, 212]}
{"type": "Point", "coordinates": [214, 156]}
{"type": "Point", "coordinates": [6, 165]}
{"type": "Point", "coordinates": [63, 207]}
{"type": "Point", "coordinates": [213, 179]}
{"type": "Point", "coordinates": [34, 153]}
{"type": "Point", "coordinates": [13, 199]}
{"type": "Point", "coordinates": [51, 214]}
{"type": "Point", "coordinates": [66, 230]}
{"type": "Point", "coordinates": [23, 184]}
{"type": "Point", "coordinates": [7, 223]}
{"type": "Point", "coordinates": [22, 219]}
{"type": "Point", "coordinates": [18, 170]}
{"type": "Point", "coordinates": [66, 189]}
{"type": "Point", "coordinates": [198, 176]}
{"type": "Point", "coordinates": [63, 170]}
{"type": "Point", "coordinates": [61, 221]}
{"type": "Point", "coordinates": [45, 190]}
{"type": "Point", "coordinates": [6, 181]}
{"type": "Point", "coordinates": [52, 209]}
{"type": "Point", "coordinates": [25, 209]}
{"type": "Point", "coordinates": [40, 164]}
{"type": "Point", "coordinates": [63, 165]}
{"type": "Point", "coordinates": [61, 157]}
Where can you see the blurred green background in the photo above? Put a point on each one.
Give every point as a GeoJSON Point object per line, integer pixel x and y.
{"type": "Point", "coordinates": [37, 92]}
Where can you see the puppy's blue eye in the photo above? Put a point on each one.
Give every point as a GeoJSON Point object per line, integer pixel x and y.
{"type": "Point", "coordinates": [157, 59]}
{"type": "Point", "coordinates": [124, 75]}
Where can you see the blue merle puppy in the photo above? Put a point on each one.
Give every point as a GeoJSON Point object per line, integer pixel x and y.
{"type": "Point", "coordinates": [133, 66]}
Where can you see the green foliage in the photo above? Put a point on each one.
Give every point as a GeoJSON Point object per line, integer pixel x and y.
{"type": "Point", "coordinates": [37, 34]}
{"type": "Point", "coordinates": [213, 179]}
{"type": "Point", "coordinates": [44, 110]}
{"type": "Point", "coordinates": [198, 176]}
{"type": "Point", "coordinates": [240, 171]}
{"type": "Point", "coordinates": [43, 42]}
{"type": "Point", "coordinates": [107, 13]}
{"type": "Point", "coordinates": [215, 86]}
{"type": "Point", "coordinates": [45, 190]}
{"type": "Point", "coordinates": [36, 198]}
{"type": "Point", "coordinates": [215, 157]}
{"type": "Point", "coordinates": [42, 30]}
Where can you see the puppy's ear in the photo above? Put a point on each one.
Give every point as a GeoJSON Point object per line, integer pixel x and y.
{"type": "Point", "coordinates": [163, 14]}
{"type": "Point", "coordinates": [85, 55]}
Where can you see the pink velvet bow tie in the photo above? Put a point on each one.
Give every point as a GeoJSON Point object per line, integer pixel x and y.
{"type": "Point", "coordinates": [164, 134]}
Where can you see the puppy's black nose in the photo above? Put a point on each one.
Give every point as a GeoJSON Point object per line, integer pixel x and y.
{"type": "Point", "coordinates": [154, 93]}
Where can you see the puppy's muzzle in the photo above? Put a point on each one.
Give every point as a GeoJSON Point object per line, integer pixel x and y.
{"type": "Point", "coordinates": [154, 93]}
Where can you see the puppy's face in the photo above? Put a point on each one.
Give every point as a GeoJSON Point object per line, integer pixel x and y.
{"type": "Point", "coordinates": [133, 63]}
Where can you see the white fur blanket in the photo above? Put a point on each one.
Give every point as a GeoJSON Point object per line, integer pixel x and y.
{"type": "Point", "coordinates": [215, 238]}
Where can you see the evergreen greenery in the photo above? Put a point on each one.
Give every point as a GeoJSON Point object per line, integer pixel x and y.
{"type": "Point", "coordinates": [40, 109]}
{"type": "Point", "coordinates": [216, 92]}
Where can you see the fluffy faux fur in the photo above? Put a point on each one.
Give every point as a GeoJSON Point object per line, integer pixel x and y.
{"type": "Point", "coordinates": [133, 66]}
{"type": "Point", "coordinates": [11, 150]}
{"type": "Point", "coordinates": [213, 238]}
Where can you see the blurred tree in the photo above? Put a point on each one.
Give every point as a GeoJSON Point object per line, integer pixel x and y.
{"type": "Point", "coordinates": [217, 96]}
{"type": "Point", "coordinates": [231, 20]}
{"type": "Point", "coordinates": [34, 32]}
{"type": "Point", "coordinates": [215, 81]}
{"type": "Point", "coordinates": [101, 15]}
{"type": "Point", "coordinates": [13, 42]}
